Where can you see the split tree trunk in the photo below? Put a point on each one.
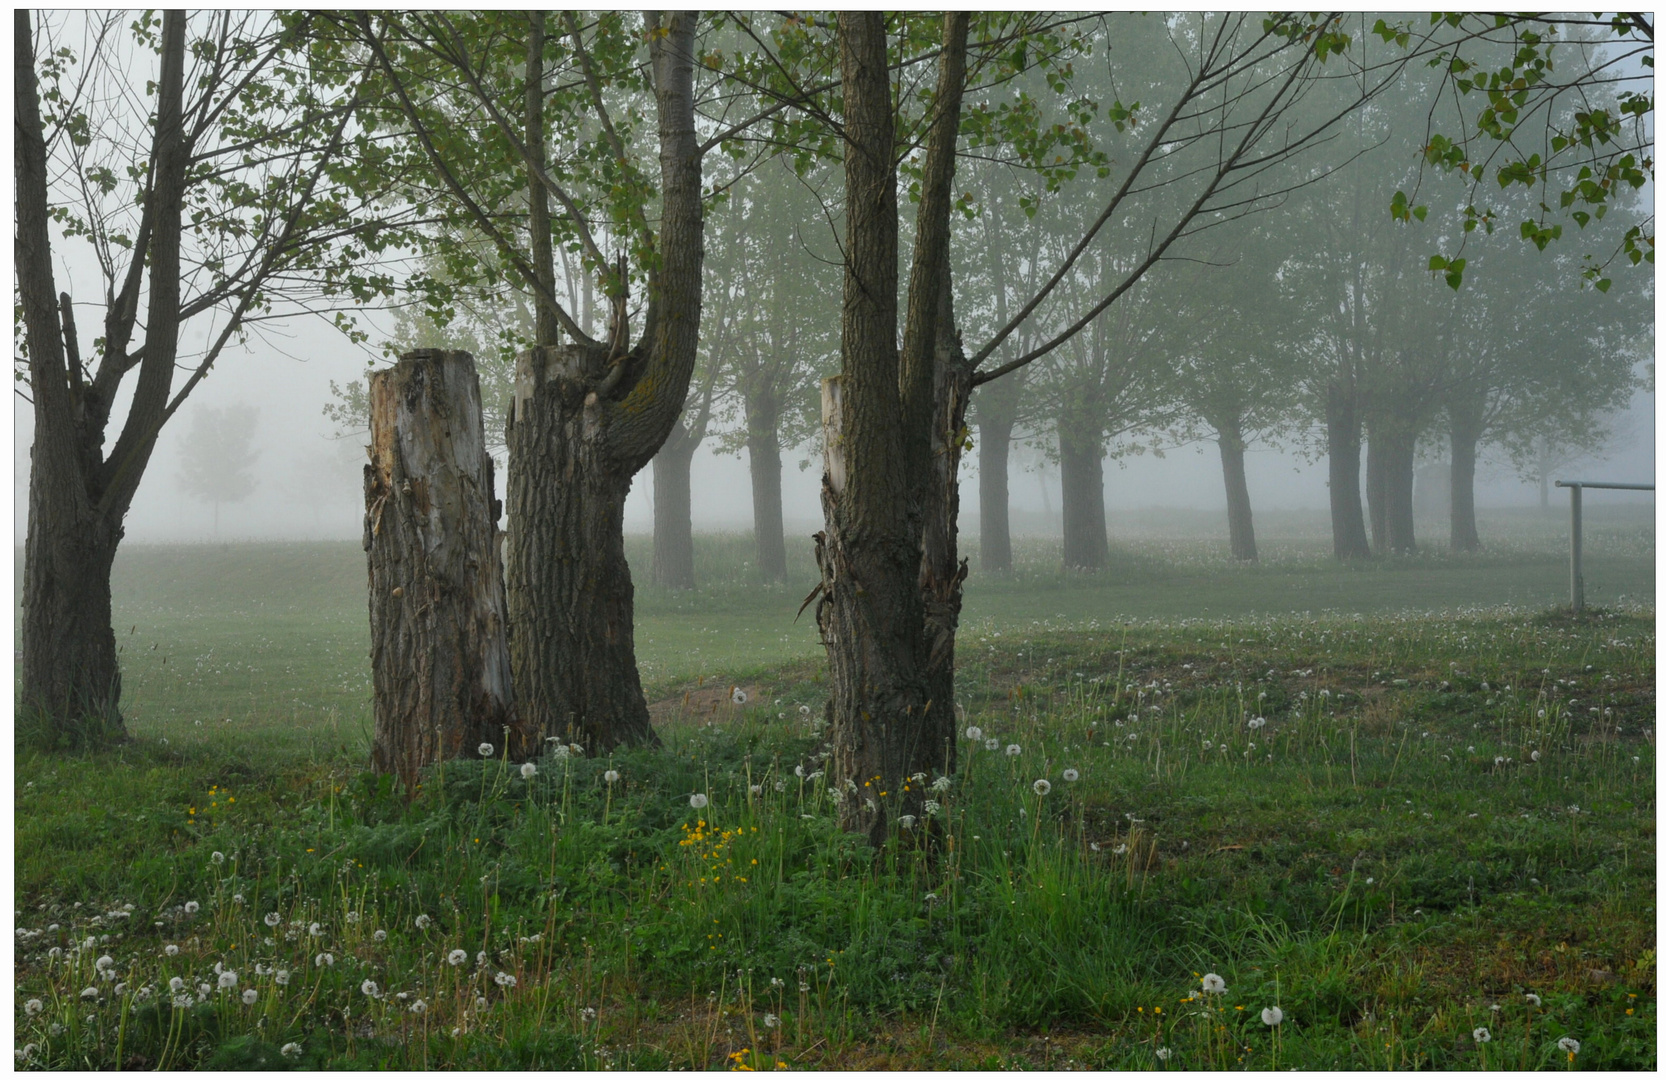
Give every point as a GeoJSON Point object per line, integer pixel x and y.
{"type": "Point", "coordinates": [1082, 478]}
{"type": "Point", "coordinates": [571, 600]}
{"type": "Point", "coordinates": [1464, 415]}
{"type": "Point", "coordinates": [1401, 463]}
{"type": "Point", "coordinates": [997, 415]}
{"type": "Point", "coordinates": [1342, 440]}
{"type": "Point", "coordinates": [439, 652]}
{"type": "Point", "coordinates": [673, 565]}
{"type": "Point", "coordinates": [763, 455]}
{"type": "Point", "coordinates": [1240, 527]}
{"type": "Point", "coordinates": [69, 666]}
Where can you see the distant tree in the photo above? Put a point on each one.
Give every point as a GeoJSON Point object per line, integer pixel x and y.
{"type": "Point", "coordinates": [218, 456]}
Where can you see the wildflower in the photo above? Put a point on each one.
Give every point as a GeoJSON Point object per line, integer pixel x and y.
{"type": "Point", "coordinates": [1257, 722]}
{"type": "Point", "coordinates": [281, 977]}
{"type": "Point", "coordinates": [907, 821]}
{"type": "Point", "coordinates": [798, 771]}
{"type": "Point", "coordinates": [933, 808]}
{"type": "Point", "coordinates": [575, 749]}
{"type": "Point", "coordinates": [611, 776]}
{"type": "Point", "coordinates": [1163, 1053]}
{"type": "Point", "coordinates": [698, 801]}
{"type": "Point", "coordinates": [191, 907]}
{"type": "Point", "coordinates": [1071, 776]}
{"type": "Point", "coordinates": [503, 978]}
{"type": "Point", "coordinates": [931, 898]}
{"type": "Point", "coordinates": [104, 963]}
{"type": "Point", "coordinates": [324, 959]}
{"type": "Point", "coordinates": [1214, 984]}
{"type": "Point", "coordinates": [456, 957]}
{"type": "Point", "coordinates": [1272, 1016]}
{"type": "Point", "coordinates": [218, 857]}
{"type": "Point", "coordinates": [1533, 999]}
{"type": "Point", "coordinates": [237, 898]}
{"type": "Point", "coordinates": [771, 1020]}
{"type": "Point", "coordinates": [484, 749]}
{"type": "Point", "coordinates": [272, 918]}
{"type": "Point", "coordinates": [480, 957]}
{"type": "Point", "coordinates": [1499, 760]}
{"type": "Point", "coordinates": [1120, 849]}
{"type": "Point", "coordinates": [419, 1006]}
{"type": "Point", "coordinates": [316, 930]}
{"type": "Point", "coordinates": [249, 996]}
{"type": "Point", "coordinates": [90, 992]}
{"type": "Point", "coordinates": [1481, 1035]}
{"type": "Point", "coordinates": [941, 784]}
{"type": "Point", "coordinates": [228, 980]}
{"type": "Point", "coordinates": [1041, 787]}
{"type": "Point", "coordinates": [804, 710]}
{"type": "Point", "coordinates": [176, 984]}
{"type": "Point", "coordinates": [589, 1014]}
{"type": "Point", "coordinates": [291, 1050]}
{"type": "Point", "coordinates": [528, 770]}
{"type": "Point", "coordinates": [992, 744]}
{"type": "Point", "coordinates": [423, 921]}
{"type": "Point", "coordinates": [1568, 1044]}
{"type": "Point", "coordinates": [776, 983]}
{"type": "Point", "coordinates": [369, 989]}
{"type": "Point", "coordinates": [974, 733]}
{"type": "Point", "coordinates": [1534, 755]}
{"type": "Point", "coordinates": [33, 1007]}
{"type": "Point", "coordinates": [737, 696]}
{"type": "Point", "coordinates": [1013, 749]}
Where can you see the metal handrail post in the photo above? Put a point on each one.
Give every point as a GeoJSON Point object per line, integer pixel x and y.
{"type": "Point", "coordinates": [1576, 539]}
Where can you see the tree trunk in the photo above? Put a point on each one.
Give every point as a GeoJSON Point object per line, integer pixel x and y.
{"type": "Point", "coordinates": [763, 455]}
{"type": "Point", "coordinates": [892, 721]}
{"type": "Point", "coordinates": [673, 528]}
{"type": "Point", "coordinates": [1376, 490]}
{"type": "Point", "coordinates": [571, 601]}
{"type": "Point", "coordinates": [1464, 414]}
{"type": "Point", "coordinates": [439, 651]}
{"type": "Point", "coordinates": [1401, 470]}
{"type": "Point", "coordinates": [1082, 479]}
{"type": "Point", "coordinates": [1240, 526]}
{"type": "Point", "coordinates": [997, 414]}
{"type": "Point", "coordinates": [1347, 515]}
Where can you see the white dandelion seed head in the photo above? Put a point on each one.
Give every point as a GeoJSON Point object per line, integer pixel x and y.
{"type": "Point", "coordinates": [771, 1020]}
{"type": "Point", "coordinates": [176, 984]}
{"type": "Point", "coordinates": [503, 978]}
{"type": "Point", "coordinates": [324, 959]}
{"type": "Point", "coordinates": [250, 996]}
{"type": "Point", "coordinates": [104, 963]}
{"type": "Point", "coordinates": [192, 907]}
{"type": "Point", "coordinates": [228, 980]}
{"type": "Point", "coordinates": [1214, 984]}
{"type": "Point", "coordinates": [89, 993]}
{"type": "Point", "coordinates": [1534, 755]}
{"type": "Point", "coordinates": [272, 918]}
{"type": "Point", "coordinates": [1013, 749]}
{"type": "Point", "coordinates": [423, 921]}
{"type": "Point", "coordinates": [291, 1050]}
{"type": "Point", "coordinates": [798, 771]}
{"type": "Point", "coordinates": [281, 977]}
{"type": "Point", "coordinates": [484, 749]}
{"type": "Point", "coordinates": [974, 733]}
{"type": "Point", "coordinates": [1041, 787]}
{"type": "Point", "coordinates": [171, 950]}
{"type": "Point", "coordinates": [1163, 1053]}
{"type": "Point", "coordinates": [804, 710]}
{"type": "Point", "coordinates": [1120, 849]}
{"type": "Point", "coordinates": [456, 957]}
{"type": "Point", "coordinates": [218, 857]}
{"type": "Point", "coordinates": [1257, 722]}
{"type": "Point", "coordinates": [737, 696]}
{"type": "Point", "coordinates": [1569, 1044]}
{"type": "Point", "coordinates": [1071, 776]}
{"type": "Point", "coordinates": [379, 936]}
{"type": "Point", "coordinates": [419, 1006]}
{"type": "Point", "coordinates": [33, 1007]}
{"type": "Point", "coordinates": [611, 776]}
{"type": "Point", "coordinates": [1481, 1035]}
{"type": "Point", "coordinates": [756, 789]}
{"type": "Point", "coordinates": [992, 744]}
{"type": "Point", "coordinates": [588, 1013]}
{"type": "Point", "coordinates": [369, 989]}
{"type": "Point", "coordinates": [480, 957]}
{"type": "Point", "coordinates": [698, 801]}
{"type": "Point", "coordinates": [1533, 999]}
{"type": "Point", "coordinates": [1272, 1016]}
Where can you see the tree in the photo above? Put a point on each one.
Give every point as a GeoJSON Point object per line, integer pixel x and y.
{"type": "Point", "coordinates": [237, 195]}
{"type": "Point", "coordinates": [219, 456]}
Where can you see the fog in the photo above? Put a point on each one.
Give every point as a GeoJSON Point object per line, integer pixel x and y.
{"type": "Point", "coordinates": [308, 481]}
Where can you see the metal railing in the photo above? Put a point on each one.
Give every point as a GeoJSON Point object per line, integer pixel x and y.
{"type": "Point", "coordinates": [1576, 542]}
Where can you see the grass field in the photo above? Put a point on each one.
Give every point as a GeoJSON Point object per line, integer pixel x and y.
{"type": "Point", "coordinates": [1442, 822]}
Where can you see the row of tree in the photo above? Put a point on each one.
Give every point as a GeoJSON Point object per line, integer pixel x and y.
{"type": "Point", "coordinates": [516, 153]}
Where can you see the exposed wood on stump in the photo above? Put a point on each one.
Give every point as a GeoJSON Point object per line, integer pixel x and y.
{"type": "Point", "coordinates": [438, 617]}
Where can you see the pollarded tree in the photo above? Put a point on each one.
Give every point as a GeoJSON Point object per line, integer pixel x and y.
{"type": "Point", "coordinates": [240, 191]}
{"type": "Point", "coordinates": [219, 456]}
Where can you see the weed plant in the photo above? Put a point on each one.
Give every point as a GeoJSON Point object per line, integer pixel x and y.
{"type": "Point", "coordinates": [1425, 842]}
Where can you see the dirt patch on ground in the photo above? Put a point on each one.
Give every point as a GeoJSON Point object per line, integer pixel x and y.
{"type": "Point", "coordinates": [716, 703]}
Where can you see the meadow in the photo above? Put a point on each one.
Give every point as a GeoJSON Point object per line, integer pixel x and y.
{"type": "Point", "coordinates": [1204, 816]}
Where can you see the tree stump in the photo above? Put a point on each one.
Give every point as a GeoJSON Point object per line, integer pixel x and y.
{"type": "Point", "coordinates": [438, 618]}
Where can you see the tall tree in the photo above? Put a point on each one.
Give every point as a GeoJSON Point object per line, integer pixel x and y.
{"type": "Point", "coordinates": [219, 456]}
{"type": "Point", "coordinates": [242, 193]}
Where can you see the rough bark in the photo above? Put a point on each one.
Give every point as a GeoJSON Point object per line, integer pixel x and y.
{"type": "Point", "coordinates": [1082, 481]}
{"type": "Point", "coordinates": [1240, 526]}
{"type": "Point", "coordinates": [997, 415]}
{"type": "Point", "coordinates": [584, 420]}
{"type": "Point", "coordinates": [673, 565]}
{"type": "Point", "coordinates": [1376, 489]}
{"type": "Point", "coordinates": [1401, 469]}
{"type": "Point", "coordinates": [1464, 419]}
{"type": "Point", "coordinates": [763, 455]}
{"type": "Point", "coordinates": [78, 496]}
{"type": "Point", "coordinates": [891, 719]}
{"type": "Point", "coordinates": [439, 651]}
{"type": "Point", "coordinates": [1342, 442]}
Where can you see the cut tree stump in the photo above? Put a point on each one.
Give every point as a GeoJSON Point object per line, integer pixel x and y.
{"type": "Point", "coordinates": [439, 645]}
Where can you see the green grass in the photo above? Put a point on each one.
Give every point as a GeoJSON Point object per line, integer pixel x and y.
{"type": "Point", "coordinates": [1371, 866]}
